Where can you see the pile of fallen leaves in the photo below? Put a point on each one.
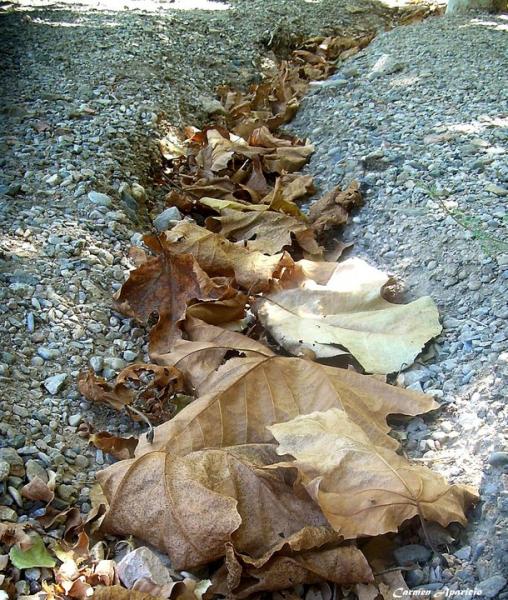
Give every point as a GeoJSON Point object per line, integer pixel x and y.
{"type": "Point", "coordinates": [273, 465]}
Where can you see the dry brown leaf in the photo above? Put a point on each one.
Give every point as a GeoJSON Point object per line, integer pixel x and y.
{"type": "Point", "coordinates": [333, 209]}
{"type": "Point", "coordinates": [192, 506]}
{"type": "Point", "coordinates": [119, 447]}
{"type": "Point", "coordinates": [245, 395]}
{"type": "Point", "coordinates": [349, 313]}
{"type": "Point", "coordinates": [252, 270]}
{"type": "Point", "coordinates": [165, 285]}
{"type": "Point", "coordinates": [14, 533]}
{"type": "Point", "coordinates": [364, 489]}
{"type": "Point", "coordinates": [343, 565]}
{"type": "Point", "coordinates": [262, 137]}
{"type": "Point", "coordinates": [266, 232]}
{"type": "Point", "coordinates": [153, 384]}
{"type": "Point", "coordinates": [288, 188]}
{"type": "Point", "coordinates": [287, 159]}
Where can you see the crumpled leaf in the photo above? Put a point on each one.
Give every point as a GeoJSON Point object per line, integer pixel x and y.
{"type": "Point", "coordinates": [343, 565]}
{"type": "Point", "coordinates": [287, 159]}
{"type": "Point", "coordinates": [192, 506]}
{"type": "Point", "coordinates": [364, 489]}
{"type": "Point", "coordinates": [14, 533]}
{"type": "Point", "coordinates": [266, 232]}
{"type": "Point", "coordinates": [35, 556]}
{"type": "Point", "coordinates": [119, 447]}
{"type": "Point", "coordinates": [220, 205]}
{"type": "Point", "coordinates": [252, 270]}
{"type": "Point", "coordinates": [242, 397]}
{"type": "Point", "coordinates": [151, 383]}
{"type": "Point", "coordinates": [165, 285]}
{"type": "Point", "coordinates": [349, 312]}
{"type": "Point", "coordinates": [333, 209]}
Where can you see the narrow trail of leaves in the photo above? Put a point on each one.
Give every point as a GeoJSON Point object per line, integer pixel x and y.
{"type": "Point", "coordinates": [272, 463]}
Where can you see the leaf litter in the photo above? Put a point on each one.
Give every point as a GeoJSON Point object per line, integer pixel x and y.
{"type": "Point", "coordinates": [273, 464]}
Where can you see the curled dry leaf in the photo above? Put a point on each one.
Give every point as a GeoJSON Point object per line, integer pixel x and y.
{"type": "Point", "coordinates": [349, 312]}
{"type": "Point", "coordinates": [192, 506]}
{"type": "Point", "coordinates": [14, 533]}
{"type": "Point", "coordinates": [266, 232]}
{"type": "Point", "coordinates": [119, 447]}
{"type": "Point", "coordinates": [252, 270]}
{"type": "Point", "coordinates": [153, 384]}
{"type": "Point", "coordinates": [243, 396]}
{"type": "Point", "coordinates": [333, 209]}
{"type": "Point", "coordinates": [165, 285]}
{"type": "Point", "coordinates": [240, 579]}
{"type": "Point", "coordinates": [365, 489]}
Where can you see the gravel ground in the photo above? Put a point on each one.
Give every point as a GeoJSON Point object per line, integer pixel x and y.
{"type": "Point", "coordinates": [421, 118]}
{"type": "Point", "coordinates": [85, 95]}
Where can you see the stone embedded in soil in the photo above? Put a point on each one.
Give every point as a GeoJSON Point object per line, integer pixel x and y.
{"type": "Point", "coordinates": [164, 219]}
{"type": "Point", "coordinates": [100, 199]}
{"type": "Point", "coordinates": [492, 586]}
{"type": "Point", "coordinates": [412, 553]}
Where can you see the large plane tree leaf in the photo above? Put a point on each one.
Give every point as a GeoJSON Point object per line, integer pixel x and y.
{"type": "Point", "coordinates": [350, 313]}
{"type": "Point", "coordinates": [362, 488]}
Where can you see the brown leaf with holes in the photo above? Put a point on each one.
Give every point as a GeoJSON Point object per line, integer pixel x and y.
{"type": "Point", "coordinates": [252, 270]}
{"type": "Point", "coordinates": [119, 447]}
{"type": "Point", "coordinates": [152, 384]}
{"type": "Point", "coordinates": [365, 489]}
{"type": "Point", "coordinates": [164, 285]}
{"type": "Point", "coordinates": [333, 209]}
{"type": "Point", "coordinates": [192, 506]}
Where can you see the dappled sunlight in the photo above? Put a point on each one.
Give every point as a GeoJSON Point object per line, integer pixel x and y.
{"type": "Point", "coordinates": [149, 6]}
{"type": "Point", "coordinates": [498, 24]}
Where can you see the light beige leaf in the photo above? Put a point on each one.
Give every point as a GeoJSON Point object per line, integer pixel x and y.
{"type": "Point", "coordinates": [349, 312]}
{"type": "Point", "coordinates": [222, 205]}
{"type": "Point", "coordinates": [364, 489]}
{"type": "Point", "coordinates": [266, 232]}
{"type": "Point", "coordinates": [245, 395]}
{"type": "Point", "coordinates": [217, 256]}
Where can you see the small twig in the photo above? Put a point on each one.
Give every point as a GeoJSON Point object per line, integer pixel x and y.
{"type": "Point", "coordinates": [150, 433]}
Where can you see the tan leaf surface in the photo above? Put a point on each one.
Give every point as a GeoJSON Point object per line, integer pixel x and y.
{"type": "Point", "coordinates": [266, 232]}
{"type": "Point", "coordinates": [217, 256]}
{"type": "Point", "coordinates": [364, 489]}
{"type": "Point", "coordinates": [245, 395]}
{"type": "Point", "coordinates": [165, 285]}
{"type": "Point", "coordinates": [192, 506]}
{"type": "Point", "coordinates": [349, 312]}
{"type": "Point", "coordinates": [332, 210]}
{"type": "Point", "coordinates": [287, 159]}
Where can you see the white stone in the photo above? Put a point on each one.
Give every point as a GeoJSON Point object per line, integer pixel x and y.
{"type": "Point", "coordinates": [54, 384]}
{"type": "Point", "coordinates": [100, 199]}
{"type": "Point", "coordinates": [140, 563]}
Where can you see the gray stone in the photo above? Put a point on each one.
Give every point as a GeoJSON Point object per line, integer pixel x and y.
{"type": "Point", "coordinates": [21, 411]}
{"type": "Point", "coordinates": [163, 220]}
{"type": "Point", "coordinates": [140, 563]}
{"type": "Point", "coordinates": [4, 470]}
{"type": "Point", "coordinates": [100, 199]}
{"type": "Point", "coordinates": [75, 420]}
{"type": "Point", "coordinates": [130, 355]}
{"type": "Point", "coordinates": [47, 353]}
{"type": "Point", "coordinates": [35, 469]}
{"type": "Point", "coordinates": [463, 553]}
{"type": "Point", "coordinates": [7, 514]}
{"type": "Point", "coordinates": [97, 363]}
{"type": "Point", "coordinates": [412, 553]}
{"type": "Point", "coordinates": [492, 586]}
{"type": "Point", "coordinates": [498, 459]}
{"type": "Point", "coordinates": [17, 467]}
{"type": "Point", "coordinates": [55, 383]}
{"type": "Point", "coordinates": [66, 492]}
